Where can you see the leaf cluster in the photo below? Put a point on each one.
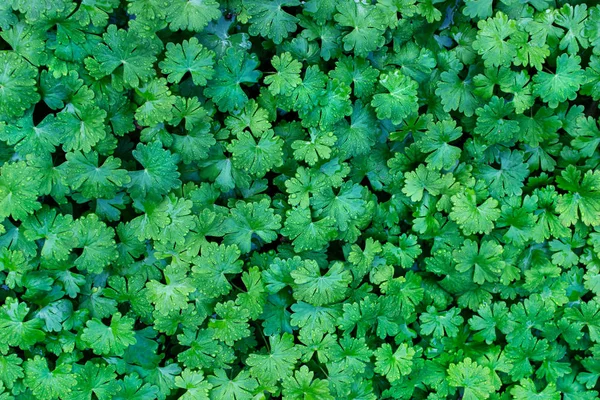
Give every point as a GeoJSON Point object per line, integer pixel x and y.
{"type": "Point", "coordinates": [320, 199]}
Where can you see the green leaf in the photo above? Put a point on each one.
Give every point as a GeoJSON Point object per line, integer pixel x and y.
{"type": "Point", "coordinates": [250, 221]}
{"type": "Point", "coordinates": [241, 387]}
{"type": "Point", "coordinates": [95, 13]}
{"type": "Point", "coordinates": [582, 198]}
{"type": "Point", "coordinates": [493, 40]}
{"type": "Point", "coordinates": [7, 18]}
{"type": "Point", "coordinates": [343, 205]}
{"type": "Point", "coordinates": [363, 259]}
{"type": "Point", "coordinates": [334, 104]}
{"type": "Point", "coordinates": [286, 77]}
{"type": "Point", "coordinates": [159, 174]}
{"type": "Point", "coordinates": [236, 67]}
{"type": "Point", "coordinates": [277, 363]}
{"type": "Point", "coordinates": [173, 294]}
{"type": "Point", "coordinates": [191, 15]}
{"type": "Point", "coordinates": [109, 340]}
{"type": "Point", "coordinates": [270, 20]}
{"type": "Point", "coordinates": [526, 389]}
{"type": "Point", "coordinates": [46, 384]}
{"type": "Point", "coordinates": [473, 218]}
{"type": "Point", "coordinates": [92, 180]}
{"type": "Point", "coordinates": [314, 319]}
{"type": "Point", "coordinates": [589, 315]}
{"type": "Point", "coordinates": [19, 190]}
{"type": "Point", "coordinates": [124, 55]}
{"type": "Point", "coordinates": [133, 388]}
{"type": "Point", "coordinates": [204, 351]}
{"type": "Point", "coordinates": [358, 72]}
{"type": "Point", "coordinates": [35, 11]}
{"type": "Point", "coordinates": [194, 384]}
{"type": "Point", "coordinates": [213, 264]}
{"type": "Point", "coordinates": [94, 381]}
{"type": "Point", "coordinates": [456, 93]}
{"type": "Point", "coordinates": [156, 102]}
{"type": "Point", "coordinates": [400, 102]}
{"type": "Point", "coordinates": [538, 127]}
{"type": "Point", "coordinates": [82, 129]}
{"type": "Point", "coordinates": [357, 136]}
{"type": "Point", "coordinates": [508, 179]}
{"type": "Point", "coordinates": [254, 298]}
{"type": "Point", "coordinates": [485, 261]}
{"type": "Point", "coordinates": [257, 157]}
{"type": "Point", "coordinates": [587, 136]}
{"type": "Point", "coordinates": [303, 386]}
{"type": "Point", "coordinates": [306, 233]}
{"type": "Point", "coordinates": [314, 288]}
{"type": "Point", "coordinates": [195, 116]}
{"type": "Point", "coordinates": [493, 122]}
{"type": "Point", "coordinates": [97, 242]}
{"type": "Point", "coordinates": [132, 291]}
{"type": "Point", "coordinates": [10, 370]}
{"type": "Point", "coordinates": [436, 141]}
{"type": "Point", "coordinates": [405, 253]}
{"type": "Point", "coordinates": [394, 364]}
{"type": "Point", "coordinates": [423, 181]}
{"type": "Point", "coordinates": [592, 27]}
{"type": "Point", "coordinates": [15, 330]}
{"type": "Point", "coordinates": [29, 138]}
{"type": "Point", "coordinates": [252, 117]}
{"type": "Point", "coordinates": [440, 324]}
{"type": "Point", "coordinates": [572, 19]}
{"type": "Point", "coordinates": [18, 82]}
{"type": "Point", "coordinates": [529, 52]}
{"type": "Point", "coordinates": [188, 57]}
{"type": "Point", "coordinates": [478, 8]}
{"type": "Point", "coordinates": [318, 148]}
{"type": "Point", "coordinates": [562, 85]}
{"type": "Point", "coordinates": [473, 378]}
{"type": "Point", "coordinates": [532, 314]}
{"type": "Point", "coordinates": [367, 24]}
{"type": "Point", "coordinates": [489, 319]}
{"type": "Point", "coordinates": [306, 94]}
{"type": "Point", "coordinates": [152, 222]}
{"type": "Point", "coordinates": [54, 314]}
{"type": "Point", "coordinates": [230, 323]}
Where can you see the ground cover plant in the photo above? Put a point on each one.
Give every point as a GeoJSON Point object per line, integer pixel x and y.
{"type": "Point", "coordinates": [320, 199]}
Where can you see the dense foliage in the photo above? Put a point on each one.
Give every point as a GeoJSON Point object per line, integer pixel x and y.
{"type": "Point", "coordinates": [320, 199]}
